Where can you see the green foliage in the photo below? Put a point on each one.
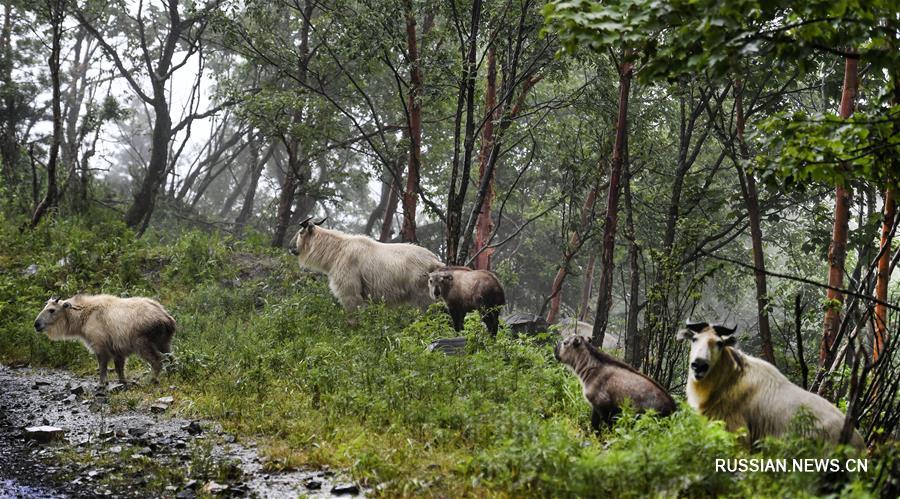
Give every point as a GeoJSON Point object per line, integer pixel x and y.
{"type": "Point", "coordinates": [266, 351]}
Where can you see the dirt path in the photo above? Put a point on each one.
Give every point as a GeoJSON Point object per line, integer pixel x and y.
{"type": "Point", "coordinates": [126, 454]}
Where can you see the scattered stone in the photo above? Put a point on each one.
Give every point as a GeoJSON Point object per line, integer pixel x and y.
{"type": "Point", "coordinates": [191, 484]}
{"type": "Point", "coordinates": [212, 487]}
{"type": "Point", "coordinates": [345, 488]}
{"type": "Point", "coordinates": [115, 387]}
{"type": "Point", "coordinates": [229, 438]}
{"type": "Point", "coordinates": [77, 390]}
{"type": "Point", "coordinates": [31, 270]}
{"type": "Point", "coordinates": [115, 449]}
{"type": "Point", "coordinates": [44, 433]}
{"type": "Point", "coordinates": [166, 400]}
{"type": "Point", "coordinates": [71, 398]}
{"type": "Point", "coordinates": [38, 384]}
{"type": "Point", "coordinates": [193, 428]}
{"type": "Point", "coordinates": [449, 346]}
{"type": "Point", "coordinates": [62, 261]}
{"type": "Point", "coordinates": [313, 485]}
{"type": "Point", "coordinates": [159, 408]}
{"type": "Point", "coordinates": [137, 431]}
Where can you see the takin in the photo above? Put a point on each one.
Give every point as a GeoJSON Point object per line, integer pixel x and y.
{"type": "Point", "coordinates": [748, 392]}
{"type": "Point", "coordinates": [360, 268]}
{"type": "Point", "coordinates": [465, 290]}
{"type": "Point", "coordinates": [607, 382]}
{"type": "Point", "coordinates": [111, 328]}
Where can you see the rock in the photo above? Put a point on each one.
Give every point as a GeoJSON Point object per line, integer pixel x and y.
{"type": "Point", "coordinates": [115, 449]}
{"type": "Point", "coordinates": [43, 433]}
{"type": "Point", "coordinates": [62, 261]}
{"type": "Point", "coordinates": [523, 323]}
{"type": "Point", "coordinates": [137, 431]}
{"type": "Point", "coordinates": [71, 398]}
{"type": "Point", "coordinates": [166, 400]}
{"type": "Point", "coordinates": [185, 494]}
{"type": "Point", "coordinates": [159, 408]}
{"type": "Point", "coordinates": [212, 487]}
{"type": "Point", "coordinates": [77, 390]}
{"type": "Point", "coordinates": [193, 428]}
{"type": "Point", "coordinates": [313, 485]}
{"type": "Point", "coordinates": [38, 384]}
{"type": "Point", "coordinates": [115, 387]}
{"type": "Point", "coordinates": [449, 346]}
{"type": "Point", "coordinates": [345, 488]}
{"type": "Point", "coordinates": [228, 438]}
{"type": "Point", "coordinates": [31, 270]}
{"type": "Point", "coordinates": [191, 485]}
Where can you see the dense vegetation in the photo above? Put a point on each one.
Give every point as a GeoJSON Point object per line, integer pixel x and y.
{"type": "Point", "coordinates": [263, 348]}
{"type": "Point", "coordinates": [629, 163]}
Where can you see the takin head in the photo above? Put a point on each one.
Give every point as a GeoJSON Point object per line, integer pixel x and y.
{"type": "Point", "coordinates": [439, 283]}
{"type": "Point", "coordinates": [52, 312]}
{"type": "Point", "coordinates": [708, 341]}
{"type": "Point", "coordinates": [570, 349]}
{"type": "Point", "coordinates": [301, 241]}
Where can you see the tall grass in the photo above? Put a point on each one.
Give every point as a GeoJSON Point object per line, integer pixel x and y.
{"type": "Point", "coordinates": [264, 349]}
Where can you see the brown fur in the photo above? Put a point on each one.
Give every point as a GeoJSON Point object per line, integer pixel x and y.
{"type": "Point", "coordinates": [608, 382]}
{"type": "Point", "coordinates": [112, 328]}
{"type": "Point", "coordinates": [747, 392]}
{"type": "Point", "coordinates": [465, 290]}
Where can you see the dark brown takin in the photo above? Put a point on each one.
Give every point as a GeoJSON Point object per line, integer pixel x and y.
{"type": "Point", "coordinates": [465, 290]}
{"type": "Point", "coordinates": [607, 382]}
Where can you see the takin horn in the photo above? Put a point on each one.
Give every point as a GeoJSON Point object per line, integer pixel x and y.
{"type": "Point", "coordinates": [305, 222]}
{"type": "Point", "coordinates": [320, 222]}
{"type": "Point", "coordinates": [723, 330]}
{"type": "Point", "coordinates": [696, 326]}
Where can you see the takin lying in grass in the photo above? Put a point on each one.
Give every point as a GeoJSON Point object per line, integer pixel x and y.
{"type": "Point", "coordinates": [362, 269]}
{"type": "Point", "coordinates": [465, 290]}
{"type": "Point", "coordinates": [112, 328]}
{"type": "Point", "coordinates": [607, 382]}
{"type": "Point", "coordinates": [747, 392]}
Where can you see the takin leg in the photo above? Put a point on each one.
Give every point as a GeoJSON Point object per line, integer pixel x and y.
{"type": "Point", "coordinates": [154, 357]}
{"type": "Point", "coordinates": [119, 362]}
{"type": "Point", "coordinates": [349, 291]}
{"type": "Point", "coordinates": [491, 319]}
{"type": "Point", "coordinates": [459, 318]}
{"type": "Point", "coordinates": [102, 363]}
{"type": "Point", "coordinates": [598, 419]}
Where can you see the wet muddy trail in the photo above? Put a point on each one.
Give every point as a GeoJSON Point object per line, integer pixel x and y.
{"type": "Point", "coordinates": [58, 438]}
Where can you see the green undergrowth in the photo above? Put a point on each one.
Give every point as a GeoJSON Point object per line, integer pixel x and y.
{"type": "Point", "coordinates": [265, 350]}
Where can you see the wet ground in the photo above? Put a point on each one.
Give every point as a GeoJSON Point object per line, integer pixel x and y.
{"type": "Point", "coordinates": [133, 453]}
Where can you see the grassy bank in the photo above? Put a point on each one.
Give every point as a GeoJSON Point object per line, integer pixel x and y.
{"type": "Point", "coordinates": [264, 349]}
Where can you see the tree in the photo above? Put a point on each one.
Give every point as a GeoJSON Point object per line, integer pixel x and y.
{"type": "Point", "coordinates": [837, 252]}
{"type": "Point", "coordinates": [56, 14]}
{"type": "Point", "coordinates": [158, 65]}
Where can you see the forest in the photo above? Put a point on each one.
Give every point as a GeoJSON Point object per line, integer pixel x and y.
{"type": "Point", "coordinates": [623, 167]}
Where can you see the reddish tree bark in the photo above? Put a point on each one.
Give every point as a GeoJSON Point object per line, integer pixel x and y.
{"type": "Point", "coordinates": [884, 275]}
{"type": "Point", "coordinates": [751, 199]}
{"type": "Point", "coordinates": [837, 252]}
{"type": "Point", "coordinates": [605, 284]}
{"type": "Point", "coordinates": [414, 131]}
{"type": "Point", "coordinates": [575, 243]}
{"type": "Point", "coordinates": [587, 288]}
{"type": "Point", "coordinates": [485, 225]}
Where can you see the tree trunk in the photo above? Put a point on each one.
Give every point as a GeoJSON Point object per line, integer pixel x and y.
{"type": "Point", "coordinates": [884, 275]}
{"type": "Point", "coordinates": [485, 225]}
{"type": "Point", "coordinates": [378, 213]}
{"type": "Point", "coordinates": [633, 348]}
{"type": "Point", "coordinates": [145, 198]}
{"type": "Point", "coordinates": [575, 242]}
{"type": "Point", "coordinates": [837, 253]}
{"type": "Point", "coordinates": [605, 285]}
{"type": "Point", "coordinates": [387, 224]}
{"type": "Point", "coordinates": [751, 199]}
{"type": "Point", "coordinates": [56, 13]}
{"type": "Point", "coordinates": [408, 232]}
{"type": "Point", "coordinates": [9, 146]}
{"type": "Point", "coordinates": [587, 288]}
{"type": "Point", "coordinates": [249, 199]}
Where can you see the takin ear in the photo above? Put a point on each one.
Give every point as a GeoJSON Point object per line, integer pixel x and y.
{"type": "Point", "coordinates": [67, 305]}
{"type": "Point", "coordinates": [685, 334]}
{"type": "Point", "coordinates": [728, 340]}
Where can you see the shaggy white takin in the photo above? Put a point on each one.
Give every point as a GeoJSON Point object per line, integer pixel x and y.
{"type": "Point", "coordinates": [747, 392]}
{"type": "Point", "coordinates": [112, 328]}
{"type": "Point", "coordinates": [360, 268]}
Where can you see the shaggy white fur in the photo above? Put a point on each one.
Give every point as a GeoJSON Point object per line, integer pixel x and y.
{"type": "Point", "coordinates": [360, 268]}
